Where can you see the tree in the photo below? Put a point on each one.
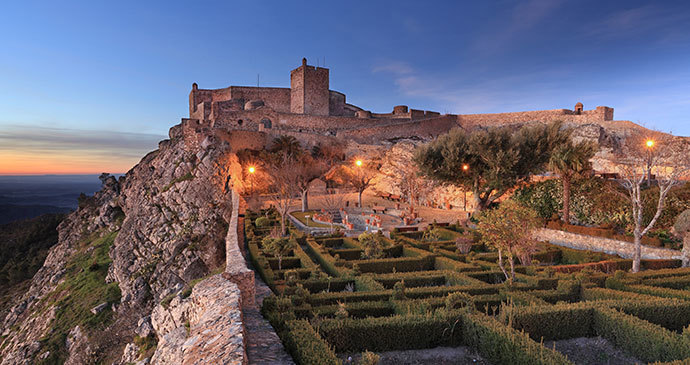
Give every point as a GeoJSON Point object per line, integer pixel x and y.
{"type": "Point", "coordinates": [284, 186]}
{"type": "Point", "coordinates": [639, 157]}
{"type": "Point", "coordinates": [358, 174]}
{"type": "Point", "coordinates": [278, 247]}
{"type": "Point", "coordinates": [508, 228]}
{"type": "Point", "coordinates": [286, 146]}
{"type": "Point", "coordinates": [570, 160]}
{"type": "Point", "coordinates": [682, 228]}
{"type": "Point", "coordinates": [308, 169]}
{"type": "Point", "coordinates": [412, 184]}
{"type": "Point", "coordinates": [489, 162]}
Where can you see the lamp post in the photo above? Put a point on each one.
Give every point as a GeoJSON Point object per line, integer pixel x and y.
{"type": "Point", "coordinates": [650, 145]}
{"type": "Point", "coordinates": [465, 168]}
{"type": "Point", "coordinates": [251, 170]}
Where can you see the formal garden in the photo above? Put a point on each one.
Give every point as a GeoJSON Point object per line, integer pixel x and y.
{"type": "Point", "coordinates": [356, 299]}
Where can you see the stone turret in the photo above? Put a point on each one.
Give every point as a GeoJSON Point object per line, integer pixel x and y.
{"type": "Point", "coordinates": [309, 90]}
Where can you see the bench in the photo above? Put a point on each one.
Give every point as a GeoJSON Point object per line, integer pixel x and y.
{"type": "Point", "coordinates": [407, 229]}
{"type": "Point", "coordinates": [378, 208]}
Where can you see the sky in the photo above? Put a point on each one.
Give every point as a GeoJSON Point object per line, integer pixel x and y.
{"type": "Point", "coordinates": [92, 86]}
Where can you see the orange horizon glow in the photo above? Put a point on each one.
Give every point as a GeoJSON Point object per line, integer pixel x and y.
{"type": "Point", "coordinates": [60, 164]}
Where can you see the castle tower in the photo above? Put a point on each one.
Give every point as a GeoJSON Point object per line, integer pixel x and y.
{"type": "Point", "coordinates": [309, 90]}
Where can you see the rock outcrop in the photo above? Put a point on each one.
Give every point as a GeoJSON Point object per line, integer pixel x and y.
{"type": "Point", "coordinates": [168, 219]}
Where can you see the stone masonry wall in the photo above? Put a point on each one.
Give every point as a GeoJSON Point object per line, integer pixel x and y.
{"type": "Point", "coordinates": [422, 129]}
{"type": "Point", "coordinates": [236, 269]}
{"type": "Point", "coordinates": [600, 244]}
{"type": "Point", "coordinates": [598, 115]}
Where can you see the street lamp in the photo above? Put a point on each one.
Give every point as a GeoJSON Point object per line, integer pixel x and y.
{"type": "Point", "coordinates": [465, 168]}
{"type": "Point", "coordinates": [251, 170]}
{"type": "Point", "coordinates": [358, 163]}
{"type": "Point", "coordinates": [649, 144]}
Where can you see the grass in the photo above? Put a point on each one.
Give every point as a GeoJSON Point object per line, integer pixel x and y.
{"type": "Point", "coordinates": [84, 288]}
{"type": "Point", "coordinates": [185, 177]}
{"type": "Point", "coordinates": [301, 216]}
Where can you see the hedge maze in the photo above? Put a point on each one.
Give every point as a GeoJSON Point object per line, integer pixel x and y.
{"type": "Point", "coordinates": [424, 292]}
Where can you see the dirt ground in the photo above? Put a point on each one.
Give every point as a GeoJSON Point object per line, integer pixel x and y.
{"type": "Point", "coordinates": [437, 356]}
{"type": "Point", "coordinates": [591, 351]}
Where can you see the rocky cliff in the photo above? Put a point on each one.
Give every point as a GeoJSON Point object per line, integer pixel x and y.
{"type": "Point", "coordinates": [143, 240]}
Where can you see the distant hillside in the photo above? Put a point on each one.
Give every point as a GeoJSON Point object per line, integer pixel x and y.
{"type": "Point", "coordinates": [11, 212]}
{"type": "Point", "coordinates": [23, 248]}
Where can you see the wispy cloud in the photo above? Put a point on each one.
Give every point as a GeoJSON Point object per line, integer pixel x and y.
{"type": "Point", "coordinates": [520, 19]}
{"type": "Point", "coordinates": [663, 22]}
{"type": "Point", "coordinates": [35, 149]}
{"type": "Point", "coordinates": [394, 67]}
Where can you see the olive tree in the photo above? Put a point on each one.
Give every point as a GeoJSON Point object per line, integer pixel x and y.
{"type": "Point", "coordinates": [509, 229]}
{"type": "Point", "coordinates": [489, 162]}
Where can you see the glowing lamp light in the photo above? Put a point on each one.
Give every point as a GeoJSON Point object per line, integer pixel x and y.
{"type": "Point", "coordinates": [650, 143]}
{"type": "Point", "coordinates": [465, 167]}
{"type": "Point", "coordinates": [358, 162]}
{"type": "Point", "coordinates": [252, 169]}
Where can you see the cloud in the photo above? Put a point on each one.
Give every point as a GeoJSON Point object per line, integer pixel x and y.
{"type": "Point", "coordinates": [34, 149]}
{"type": "Point", "coordinates": [644, 20]}
{"type": "Point", "coordinates": [523, 17]}
{"type": "Point", "coordinates": [394, 67]}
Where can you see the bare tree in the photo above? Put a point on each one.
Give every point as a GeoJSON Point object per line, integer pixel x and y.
{"type": "Point", "coordinates": [642, 156]}
{"type": "Point", "coordinates": [284, 186]}
{"type": "Point", "coordinates": [359, 175]}
{"type": "Point", "coordinates": [307, 169]}
{"type": "Point", "coordinates": [412, 184]}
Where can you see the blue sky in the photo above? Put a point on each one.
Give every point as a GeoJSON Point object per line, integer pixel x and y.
{"type": "Point", "coordinates": [105, 80]}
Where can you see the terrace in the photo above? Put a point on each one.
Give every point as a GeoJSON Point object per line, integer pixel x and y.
{"type": "Point", "coordinates": [426, 298]}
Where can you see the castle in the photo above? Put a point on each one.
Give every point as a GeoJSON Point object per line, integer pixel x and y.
{"type": "Point", "coordinates": [309, 109]}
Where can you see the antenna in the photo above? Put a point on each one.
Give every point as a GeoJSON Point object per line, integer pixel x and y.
{"type": "Point", "coordinates": [257, 80]}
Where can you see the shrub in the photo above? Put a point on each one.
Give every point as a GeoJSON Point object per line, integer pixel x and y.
{"type": "Point", "coordinates": [306, 346]}
{"type": "Point", "coordinates": [459, 300]}
{"type": "Point", "coordinates": [399, 290]}
{"type": "Point", "coordinates": [647, 341]}
{"type": "Point", "coordinates": [393, 333]}
{"type": "Point", "coordinates": [262, 222]}
{"type": "Point", "coordinates": [369, 358]}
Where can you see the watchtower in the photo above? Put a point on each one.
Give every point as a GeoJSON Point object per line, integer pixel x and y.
{"type": "Point", "coordinates": [309, 90]}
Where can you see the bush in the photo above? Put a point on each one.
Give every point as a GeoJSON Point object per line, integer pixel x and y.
{"type": "Point", "coordinates": [647, 341]}
{"type": "Point", "coordinates": [500, 344]}
{"type": "Point", "coordinates": [306, 346]}
{"type": "Point", "coordinates": [369, 358]}
{"type": "Point", "coordinates": [262, 222]}
{"type": "Point", "coordinates": [393, 333]}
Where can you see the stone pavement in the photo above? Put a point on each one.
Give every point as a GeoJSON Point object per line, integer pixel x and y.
{"type": "Point", "coordinates": [263, 344]}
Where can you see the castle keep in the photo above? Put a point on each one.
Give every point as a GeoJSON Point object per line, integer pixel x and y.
{"type": "Point", "coordinates": [309, 109]}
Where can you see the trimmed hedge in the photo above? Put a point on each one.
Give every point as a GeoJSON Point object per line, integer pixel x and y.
{"type": "Point", "coordinates": [306, 346]}
{"type": "Point", "coordinates": [358, 309]}
{"type": "Point", "coordinates": [328, 284]}
{"type": "Point", "coordinates": [500, 344]}
{"type": "Point", "coordinates": [675, 282]}
{"type": "Point", "coordinates": [411, 279]}
{"type": "Point", "coordinates": [393, 333]}
{"type": "Point", "coordinates": [659, 292]}
{"type": "Point", "coordinates": [551, 322]}
{"type": "Point", "coordinates": [647, 341]}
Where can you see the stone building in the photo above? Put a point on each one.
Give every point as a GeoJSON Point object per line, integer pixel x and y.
{"type": "Point", "coordinates": [309, 109]}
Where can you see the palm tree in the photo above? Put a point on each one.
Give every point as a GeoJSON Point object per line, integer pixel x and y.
{"type": "Point", "coordinates": [570, 160]}
{"type": "Point", "coordinates": [288, 146]}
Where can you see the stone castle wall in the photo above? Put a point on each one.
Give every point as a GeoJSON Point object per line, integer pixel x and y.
{"type": "Point", "coordinates": [417, 129]}
{"type": "Point", "coordinates": [598, 115]}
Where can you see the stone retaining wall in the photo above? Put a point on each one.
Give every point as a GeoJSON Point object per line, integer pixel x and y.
{"type": "Point", "coordinates": [600, 244]}
{"type": "Point", "coordinates": [236, 269]}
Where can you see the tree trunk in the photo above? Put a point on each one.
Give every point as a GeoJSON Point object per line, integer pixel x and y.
{"type": "Point", "coordinates": [638, 251]}
{"type": "Point", "coordinates": [685, 254]}
{"type": "Point", "coordinates": [500, 264]}
{"type": "Point", "coordinates": [280, 263]}
{"type": "Point", "coordinates": [305, 200]}
{"type": "Point", "coordinates": [360, 199]}
{"type": "Point", "coordinates": [512, 269]}
{"type": "Point", "coordinates": [283, 227]}
{"type": "Point", "coordinates": [566, 200]}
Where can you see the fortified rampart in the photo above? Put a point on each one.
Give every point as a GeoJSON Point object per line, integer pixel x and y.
{"type": "Point", "coordinates": [308, 109]}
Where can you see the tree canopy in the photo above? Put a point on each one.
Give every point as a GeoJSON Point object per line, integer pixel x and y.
{"type": "Point", "coordinates": [489, 162]}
